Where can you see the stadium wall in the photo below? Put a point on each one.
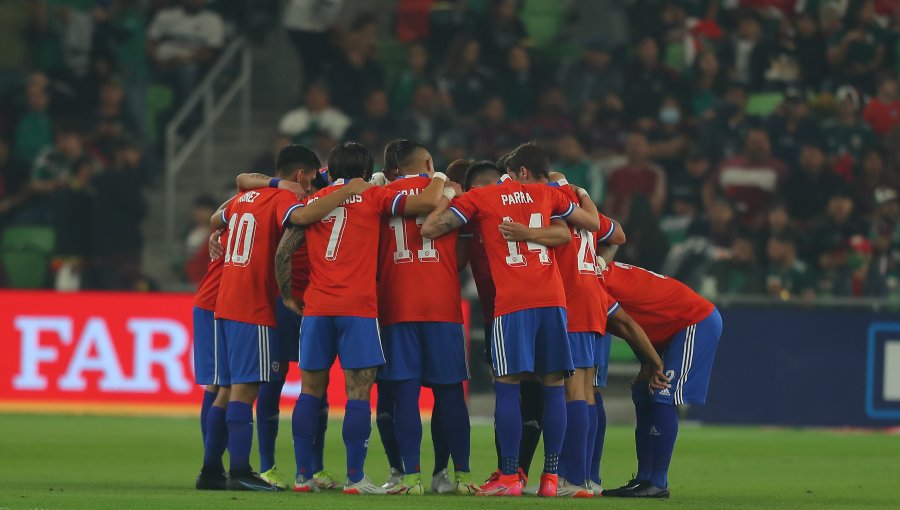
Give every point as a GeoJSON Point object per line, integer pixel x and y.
{"type": "Point", "coordinates": [790, 366]}
{"type": "Point", "coordinates": [110, 353]}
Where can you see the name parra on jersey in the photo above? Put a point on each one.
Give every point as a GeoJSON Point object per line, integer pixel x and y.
{"type": "Point", "coordinates": [516, 197]}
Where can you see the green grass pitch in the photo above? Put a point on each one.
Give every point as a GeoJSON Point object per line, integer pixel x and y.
{"type": "Point", "coordinates": [95, 463]}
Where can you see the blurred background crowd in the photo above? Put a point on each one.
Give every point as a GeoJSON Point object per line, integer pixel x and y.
{"type": "Point", "coordinates": [749, 147]}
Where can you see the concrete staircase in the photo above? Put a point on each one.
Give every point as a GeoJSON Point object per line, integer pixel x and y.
{"type": "Point", "coordinates": [275, 89]}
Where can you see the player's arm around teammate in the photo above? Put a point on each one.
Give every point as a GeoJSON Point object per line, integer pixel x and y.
{"type": "Point", "coordinates": [291, 241]}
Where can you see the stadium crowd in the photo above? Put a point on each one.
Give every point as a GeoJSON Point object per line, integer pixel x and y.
{"type": "Point", "coordinates": [749, 145]}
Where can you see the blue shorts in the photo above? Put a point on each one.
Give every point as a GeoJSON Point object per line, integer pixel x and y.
{"type": "Point", "coordinates": [204, 346]}
{"type": "Point", "coordinates": [688, 362]}
{"type": "Point", "coordinates": [531, 340]}
{"type": "Point", "coordinates": [434, 352]}
{"type": "Point", "coordinates": [244, 353]}
{"type": "Point", "coordinates": [581, 345]}
{"type": "Point", "coordinates": [356, 340]}
{"type": "Point", "coordinates": [288, 333]}
{"type": "Point", "coordinates": [601, 360]}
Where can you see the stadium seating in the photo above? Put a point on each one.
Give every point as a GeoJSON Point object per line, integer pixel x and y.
{"type": "Point", "coordinates": [26, 255]}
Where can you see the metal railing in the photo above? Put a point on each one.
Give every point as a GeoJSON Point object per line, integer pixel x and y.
{"type": "Point", "coordinates": [212, 107]}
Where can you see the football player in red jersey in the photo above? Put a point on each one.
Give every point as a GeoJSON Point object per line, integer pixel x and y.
{"type": "Point", "coordinates": [685, 328]}
{"type": "Point", "coordinates": [529, 327]}
{"type": "Point", "coordinates": [245, 307]}
{"type": "Point", "coordinates": [420, 314]}
{"type": "Point", "coordinates": [341, 307]}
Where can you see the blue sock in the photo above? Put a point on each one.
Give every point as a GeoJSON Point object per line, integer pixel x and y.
{"type": "Point", "coordinates": [385, 422]}
{"type": "Point", "coordinates": [597, 423]}
{"type": "Point", "coordinates": [508, 422]}
{"type": "Point", "coordinates": [216, 440]}
{"type": "Point", "coordinates": [554, 426]}
{"type": "Point", "coordinates": [531, 395]}
{"type": "Point", "coordinates": [268, 412]}
{"type": "Point", "coordinates": [208, 398]}
{"type": "Point", "coordinates": [662, 442]}
{"type": "Point", "coordinates": [318, 458]}
{"type": "Point", "coordinates": [640, 395]}
{"type": "Point", "coordinates": [408, 424]}
{"type": "Point", "coordinates": [304, 425]}
{"type": "Point", "coordinates": [239, 417]}
{"type": "Point", "coordinates": [456, 427]}
{"type": "Point", "coordinates": [357, 428]}
{"type": "Point", "coordinates": [438, 436]}
{"type": "Point", "coordinates": [575, 450]}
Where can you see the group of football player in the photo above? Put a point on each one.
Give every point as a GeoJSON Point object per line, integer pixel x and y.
{"type": "Point", "coordinates": [313, 265]}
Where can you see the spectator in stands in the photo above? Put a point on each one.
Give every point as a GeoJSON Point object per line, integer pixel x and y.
{"type": "Point", "coordinates": [52, 167]}
{"type": "Point", "coordinates": [750, 180]}
{"type": "Point", "coordinates": [848, 136]}
{"type": "Point", "coordinates": [316, 114]}
{"type": "Point", "coordinates": [808, 189]}
{"type": "Point", "coordinates": [647, 244]}
{"type": "Point", "coordinates": [578, 168]}
{"type": "Point", "coordinates": [788, 276]}
{"type": "Point", "coordinates": [885, 237]}
{"type": "Point", "coordinates": [601, 125]}
{"type": "Point", "coordinates": [119, 208]}
{"type": "Point", "coordinates": [722, 135]}
{"type": "Point", "coordinates": [416, 72]}
{"type": "Point", "coordinates": [490, 130]}
{"type": "Point", "coordinates": [465, 82]}
{"type": "Point", "coordinates": [196, 243]}
{"type": "Point", "coordinates": [34, 129]}
{"type": "Point", "coordinates": [353, 71]}
{"type": "Point", "coordinates": [72, 221]}
{"type": "Point", "coordinates": [708, 86]}
{"type": "Point", "coordinates": [13, 182]}
{"type": "Point", "coordinates": [689, 180]}
{"type": "Point", "coordinates": [427, 120]}
{"type": "Point", "coordinates": [791, 126]}
{"type": "Point", "coordinates": [667, 135]}
{"type": "Point", "coordinates": [718, 227]}
{"type": "Point", "coordinates": [182, 41]}
{"type": "Point", "coordinates": [639, 177]}
{"type": "Point", "coordinates": [649, 81]}
{"type": "Point", "coordinates": [551, 119]}
{"type": "Point", "coordinates": [883, 111]}
{"type": "Point", "coordinates": [830, 241]}
{"type": "Point", "coordinates": [810, 47]}
{"type": "Point", "coordinates": [870, 174]}
{"type": "Point", "coordinates": [308, 23]}
{"type": "Point", "coordinates": [749, 51]}
{"type": "Point", "coordinates": [518, 83]}
{"type": "Point", "coordinates": [500, 31]}
{"type": "Point", "coordinates": [593, 76]}
{"type": "Point", "coordinates": [857, 51]}
{"type": "Point", "coordinates": [681, 212]}
{"type": "Point", "coordinates": [375, 127]}
{"type": "Point", "coordinates": [740, 272]}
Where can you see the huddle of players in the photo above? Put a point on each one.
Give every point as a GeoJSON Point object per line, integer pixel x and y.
{"type": "Point", "coordinates": [396, 318]}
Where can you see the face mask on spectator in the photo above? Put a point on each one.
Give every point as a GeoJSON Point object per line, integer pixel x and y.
{"type": "Point", "coordinates": [669, 115]}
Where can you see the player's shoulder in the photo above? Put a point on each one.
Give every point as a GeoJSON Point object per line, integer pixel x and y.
{"type": "Point", "coordinates": [404, 182]}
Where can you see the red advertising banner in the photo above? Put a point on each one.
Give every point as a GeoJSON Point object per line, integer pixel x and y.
{"type": "Point", "coordinates": [111, 353]}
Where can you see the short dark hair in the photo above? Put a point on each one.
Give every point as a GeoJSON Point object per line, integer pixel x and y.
{"type": "Point", "coordinates": [456, 171]}
{"type": "Point", "coordinates": [477, 169]}
{"type": "Point", "coordinates": [531, 156]}
{"type": "Point", "coordinates": [294, 156]}
{"type": "Point", "coordinates": [350, 160]}
{"type": "Point", "coordinates": [398, 152]}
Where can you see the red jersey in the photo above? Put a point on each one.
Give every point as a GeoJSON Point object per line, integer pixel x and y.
{"type": "Point", "coordinates": [418, 279]}
{"type": "Point", "coordinates": [883, 117]}
{"type": "Point", "coordinates": [524, 274]}
{"type": "Point", "coordinates": [481, 273]}
{"type": "Point", "coordinates": [342, 250]}
{"type": "Point", "coordinates": [662, 306]}
{"type": "Point", "coordinates": [208, 289]}
{"type": "Point", "coordinates": [256, 220]}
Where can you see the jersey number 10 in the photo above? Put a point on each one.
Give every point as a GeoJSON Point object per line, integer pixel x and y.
{"type": "Point", "coordinates": [240, 239]}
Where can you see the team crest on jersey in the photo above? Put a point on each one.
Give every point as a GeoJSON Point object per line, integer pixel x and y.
{"type": "Point", "coordinates": [275, 366]}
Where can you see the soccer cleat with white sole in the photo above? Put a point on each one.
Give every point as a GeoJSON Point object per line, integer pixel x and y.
{"type": "Point", "coordinates": [326, 480]}
{"type": "Point", "coordinates": [274, 477]}
{"type": "Point", "coordinates": [394, 480]}
{"type": "Point", "coordinates": [364, 486]}
{"type": "Point", "coordinates": [411, 485]}
{"type": "Point", "coordinates": [595, 488]}
{"type": "Point", "coordinates": [441, 484]}
{"type": "Point", "coordinates": [463, 483]}
{"type": "Point", "coordinates": [565, 489]}
{"type": "Point", "coordinates": [303, 484]}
